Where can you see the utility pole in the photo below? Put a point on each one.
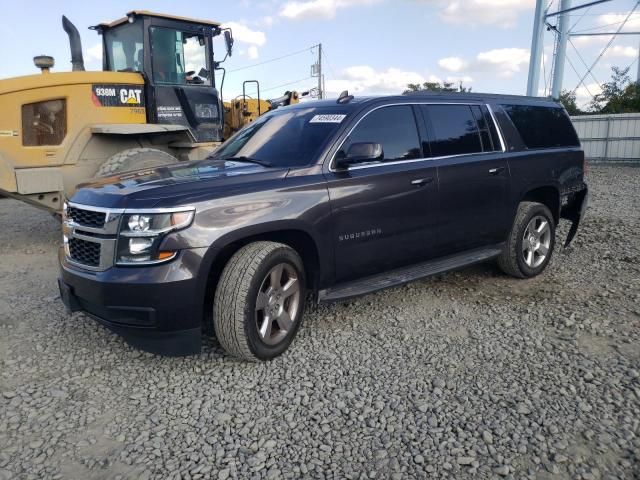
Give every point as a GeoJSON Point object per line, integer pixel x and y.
{"type": "Point", "coordinates": [561, 51]}
{"type": "Point", "coordinates": [320, 86]}
{"type": "Point", "coordinates": [536, 49]}
{"type": "Point", "coordinates": [638, 74]}
{"type": "Point", "coordinates": [316, 71]}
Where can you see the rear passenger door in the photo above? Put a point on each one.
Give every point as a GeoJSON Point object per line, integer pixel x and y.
{"type": "Point", "coordinates": [383, 211]}
{"type": "Point", "coordinates": [473, 176]}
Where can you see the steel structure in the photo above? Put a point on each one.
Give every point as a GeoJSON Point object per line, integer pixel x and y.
{"type": "Point", "coordinates": [563, 33]}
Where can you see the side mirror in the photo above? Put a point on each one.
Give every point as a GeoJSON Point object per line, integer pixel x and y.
{"type": "Point", "coordinates": [358, 153]}
{"type": "Point", "coordinates": [228, 40]}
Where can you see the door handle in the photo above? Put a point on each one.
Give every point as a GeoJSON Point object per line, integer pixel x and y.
{"type": "Point", "coordinates": [419, 182]}
{"type": "Point", "coordinates": [497, 170]}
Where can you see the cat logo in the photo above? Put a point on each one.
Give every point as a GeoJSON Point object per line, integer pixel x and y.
{"type": "Point", "coordinates": [130, 96]}
{"type": "Point", "coordinates": [117, 96]}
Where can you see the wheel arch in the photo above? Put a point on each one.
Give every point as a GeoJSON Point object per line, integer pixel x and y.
{"type": "Point", "coordinates": [548, 195]}
{"type": "Point", "coordinates": [301, 240]}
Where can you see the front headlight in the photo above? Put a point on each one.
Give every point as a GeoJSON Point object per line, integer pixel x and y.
{"type": "Point", "coordinates": [141, 234]}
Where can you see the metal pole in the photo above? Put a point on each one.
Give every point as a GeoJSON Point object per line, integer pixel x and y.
{"type": "Point", "coordinates": [638, 73]}
{"type": "Point", "coordinates": [561, 52]}
{"type": "Point", "coordinates": [536, 49]}
{"type": "Point", "coordinates": [320, 89]}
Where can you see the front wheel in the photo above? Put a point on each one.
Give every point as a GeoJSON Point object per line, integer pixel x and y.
{"type": "Point", "coordinates": [531, 241]}
{"type": "Point", "coordinates": [259, 301]}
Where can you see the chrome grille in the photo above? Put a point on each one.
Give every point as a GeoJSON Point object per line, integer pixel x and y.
{"type": "Point", "coordinates": [84, 252]}
{"type": "Point", "coordinates": [90, 235]}
{"type": "Point", "coordinates": [86, 218]}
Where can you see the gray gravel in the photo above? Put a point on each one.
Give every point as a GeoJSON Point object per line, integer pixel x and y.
{"type": "Point", "coordinates": [469, 374]}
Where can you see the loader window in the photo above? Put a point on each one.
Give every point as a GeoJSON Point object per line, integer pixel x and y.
{"type": "Point", "coordinates": [178, 57]}
{"type": "Point", "coordinates": [125, 49]}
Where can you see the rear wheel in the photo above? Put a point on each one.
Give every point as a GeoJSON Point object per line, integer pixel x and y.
{"type": "Point", "coordinates": [531, 241]}
{"type": "Point", "coordinates": [135, 159]}
{"type": "Point", "coordinates": [259, 301]}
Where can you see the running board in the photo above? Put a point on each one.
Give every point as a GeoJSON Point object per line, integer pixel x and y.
{"type": "Point", "coordinates": [403, 275]}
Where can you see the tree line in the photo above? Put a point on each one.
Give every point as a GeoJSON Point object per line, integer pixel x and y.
{"type": "Point", "coordinates": [619, 95]}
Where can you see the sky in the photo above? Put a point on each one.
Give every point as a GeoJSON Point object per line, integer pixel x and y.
{"type": "Point", "coordinates": [370, 46]}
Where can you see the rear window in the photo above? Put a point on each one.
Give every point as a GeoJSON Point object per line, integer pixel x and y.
{"type": "Point", "coordinates": [543, 127]}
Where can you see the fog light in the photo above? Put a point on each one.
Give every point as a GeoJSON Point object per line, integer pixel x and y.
{"type": "Point", "coordinates": [139, 245]}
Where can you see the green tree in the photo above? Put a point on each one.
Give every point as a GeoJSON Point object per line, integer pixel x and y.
{"type": "Point", "coordinates": [568, 100]}
{"type": "Point", "coordinates": [619, 95]}
{"type": "Point", "coordinates": [436, 87]}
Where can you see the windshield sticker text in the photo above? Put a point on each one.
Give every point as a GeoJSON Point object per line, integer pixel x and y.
{"type": "Point", "coordinates": [332, 118]}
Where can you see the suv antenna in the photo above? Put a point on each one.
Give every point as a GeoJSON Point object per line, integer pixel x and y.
{"type": "Point", "coordinates": [344, 97]}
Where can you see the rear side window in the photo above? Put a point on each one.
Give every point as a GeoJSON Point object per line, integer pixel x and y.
{"type": "Point", "coordinates": [393, 127]}
{"type": "Point", "coordinates": [455, 131]}
{"type": "Point", "coordinates": [543, 127]}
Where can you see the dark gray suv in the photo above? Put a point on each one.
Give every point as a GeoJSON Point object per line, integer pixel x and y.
{"type": "Point", "coordinates": [337, 198]}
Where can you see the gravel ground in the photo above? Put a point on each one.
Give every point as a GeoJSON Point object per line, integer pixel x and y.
{"type": "Point", "coordinates": [468, 374]}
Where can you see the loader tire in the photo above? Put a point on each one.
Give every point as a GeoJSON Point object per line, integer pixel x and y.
{"type": "Point", "coordinates": [135, 159]}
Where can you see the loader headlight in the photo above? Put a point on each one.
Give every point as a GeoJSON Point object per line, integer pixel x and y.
{"type": "Point", "coordinates": [44, 123]}
{"type": "Point", "coordinates": [142, 233]}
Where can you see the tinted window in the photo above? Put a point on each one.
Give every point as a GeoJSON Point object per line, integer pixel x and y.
{"type": "Point", "coordinates": [393, 127]}
{"type": "Point", "coordinates": [454, 130]}
{"type": "Point", "coordinates": [284, 138]}
{"type": "Point", "coordinates": [484, 122]}
{"type": "Point", "coordinates": [543, 127]}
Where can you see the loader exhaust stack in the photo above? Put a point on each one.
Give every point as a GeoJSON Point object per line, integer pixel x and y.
{"type": "Point", "coordinates": [77, 62]}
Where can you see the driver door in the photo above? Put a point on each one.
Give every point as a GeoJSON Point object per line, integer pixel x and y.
{"type": "Point", "coordinates": [383, 212]}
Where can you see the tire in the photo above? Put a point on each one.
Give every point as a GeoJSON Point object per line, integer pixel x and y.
{"type": "Point", "coordinates": [529, 233]}
{"type": "Point", "coordinates": [135, 159]}
{"type": "Point", "coordinates": [249, 301]}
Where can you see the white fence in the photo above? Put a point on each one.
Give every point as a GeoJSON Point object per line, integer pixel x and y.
{"type": "Point", "coordinates": [610, 138]}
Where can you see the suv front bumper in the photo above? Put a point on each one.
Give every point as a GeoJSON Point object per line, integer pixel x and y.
{"type": "Point", "coordinates": [155, 308]}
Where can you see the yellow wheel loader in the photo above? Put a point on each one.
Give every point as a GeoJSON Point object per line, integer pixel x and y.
{"type": "Point", "coordinates": [155, 103]}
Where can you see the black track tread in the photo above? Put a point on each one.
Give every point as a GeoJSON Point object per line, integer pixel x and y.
{"type": "Point", "coordinates": [123, 161]}
{"type": "Point", "coordinates": [507, 261]}
{"type": "Point", "coordinates": [232, 297]}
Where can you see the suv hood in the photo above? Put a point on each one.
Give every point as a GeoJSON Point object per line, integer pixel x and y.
{"type": "Point", "coordinates": [172, 185]}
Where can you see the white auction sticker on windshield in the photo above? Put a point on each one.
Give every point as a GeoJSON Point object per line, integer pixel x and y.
{"type": "Point", "coordinates": [327, 118]}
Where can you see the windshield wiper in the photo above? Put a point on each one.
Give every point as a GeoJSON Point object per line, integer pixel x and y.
{"type": "Point", "coordinates": [242, 158]}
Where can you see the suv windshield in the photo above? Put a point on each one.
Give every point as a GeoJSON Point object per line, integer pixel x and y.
{"type": "Point", "coordinates": [285, 138]}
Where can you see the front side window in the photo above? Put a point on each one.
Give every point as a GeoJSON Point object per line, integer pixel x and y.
{"type": "Point", "coordinates": [284, 138]}
{"type": "Point", "coordinates": [125, 48]}
{"type": "Point", "coordinates": [455, 131]}
{"type": "Point", "coordinates": [178, 57]}
{"type": "Point", "coordinates": [393, 127]}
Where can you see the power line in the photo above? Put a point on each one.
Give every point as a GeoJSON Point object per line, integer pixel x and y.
{"type": "Point", "coordinates": [576, 72]}
{"type": "Point", "coordinates": [275, 87]}
{"type": "Point", "coordinates": [583, 62]}
{"type": "Point", "coordinates": [601, 27]}
{"type": "Point", "coordinates": [308, 49]}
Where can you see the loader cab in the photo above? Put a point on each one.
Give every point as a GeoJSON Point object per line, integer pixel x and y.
{"type": "Point", "coordinates": [175, 56]}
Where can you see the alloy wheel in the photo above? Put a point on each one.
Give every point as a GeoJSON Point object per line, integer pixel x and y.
{"type": "Point", "coordinates": [277, 304]}
{"type": "Point", "coordinates": [536, 241]}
